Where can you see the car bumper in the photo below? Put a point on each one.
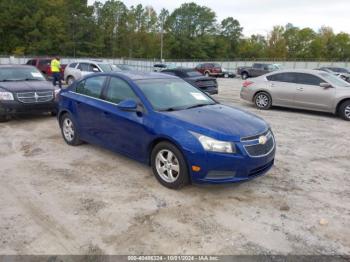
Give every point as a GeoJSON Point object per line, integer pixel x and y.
{"type": "Point", "coordinates": [219, 168]}
{"type": "Point", "coordinates": [15, 107]}
{"type": "Point", "coordinates": [246, 95]}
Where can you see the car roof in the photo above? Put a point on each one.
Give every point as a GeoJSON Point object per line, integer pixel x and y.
{"type": "Point", "coordinates": [307, 71]}
{"type": "Point", "coordinates": [137, 75]}
{"type": "Point", "coordinates": [180, 69]}
{"type": "Point", "coordinates": [15, 66]}
{"type": "Point", "coordinates": [89, 61]}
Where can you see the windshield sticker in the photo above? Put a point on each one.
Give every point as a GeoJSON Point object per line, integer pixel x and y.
{"type": "Point", "coordinates": [199, 96]}
{"type": "Point", "coordinates": [34, 74]}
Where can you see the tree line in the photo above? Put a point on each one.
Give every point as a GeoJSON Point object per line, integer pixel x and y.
{"type": "Point", "coordinates": [111, 29]}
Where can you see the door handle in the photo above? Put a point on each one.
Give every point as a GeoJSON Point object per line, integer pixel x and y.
{"type": "Point", "coordinates": [300, 89]}
{"type": "Point", "coordinates": [105, 113]}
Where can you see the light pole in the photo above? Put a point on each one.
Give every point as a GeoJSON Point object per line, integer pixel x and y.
{"type": "Point", "coordinates": [161, 41]}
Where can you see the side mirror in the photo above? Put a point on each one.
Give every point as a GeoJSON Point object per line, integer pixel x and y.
{"type": "Point", "coordinates": [95, 70]}
{"type": "Point", "coordinates": [326, 85]}
{"type": "Point", "coordinates": [128, 105]}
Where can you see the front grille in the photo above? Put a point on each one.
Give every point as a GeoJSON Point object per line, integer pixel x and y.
{"type": "Point", "coordinates": [35, 97]}
{"type": "Point", "coordinates": [259, 149]}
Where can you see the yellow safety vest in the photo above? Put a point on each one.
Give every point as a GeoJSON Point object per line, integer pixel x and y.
{"type": "Point", "coordinates": [55, 66]}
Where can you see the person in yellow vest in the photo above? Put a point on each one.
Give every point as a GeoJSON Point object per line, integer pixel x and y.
{"type": "Point", "coordinates": [56, 71]}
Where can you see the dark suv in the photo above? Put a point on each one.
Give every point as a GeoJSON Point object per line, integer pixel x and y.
{"type": "Point", "coordinates": [210, 69]}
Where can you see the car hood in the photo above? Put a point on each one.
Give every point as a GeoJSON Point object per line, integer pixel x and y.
{"type": "Point", "coordinates": [20, 86]}
{"type": "Point", "coordinates": [219, 121]}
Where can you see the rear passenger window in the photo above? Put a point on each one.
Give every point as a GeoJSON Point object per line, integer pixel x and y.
{"type": "Point", "coordinates": [308, 79]}
{"type": "Point", "coordinates": [119, 90]}
{"type": "Point", "coordinates": [91, 86]}
{"type": "Point", "coordinates": [283, 77]}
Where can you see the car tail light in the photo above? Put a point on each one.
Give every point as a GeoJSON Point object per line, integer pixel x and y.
{"type": "Point", "coordinates": [247, 83]}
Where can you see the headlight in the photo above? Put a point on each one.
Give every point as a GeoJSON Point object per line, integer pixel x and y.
{"type": "Point", "coordinates": [6, 96]}
{"type": "Point", "coordinates": [57, 92]}
{"type": "Point", "coordinates": [211, 144]}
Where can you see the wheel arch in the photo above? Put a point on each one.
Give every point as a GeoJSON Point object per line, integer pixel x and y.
{"type": "Point", "coordinates": [340, 103]}
{"type": "Point", "coordinates": [158, 140]}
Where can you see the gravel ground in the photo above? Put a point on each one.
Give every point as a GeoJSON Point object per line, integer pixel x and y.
{"type": "Point", "coordinates": [57, 199]}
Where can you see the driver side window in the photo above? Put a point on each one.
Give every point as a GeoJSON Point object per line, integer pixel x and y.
{"type": "Point", "coordinates": [119, 90]}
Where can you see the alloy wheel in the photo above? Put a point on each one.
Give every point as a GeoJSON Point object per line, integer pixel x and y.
{"type": "Point", "coordinates": [347, 112]}
{"type": "Point", "coordinates": [167, 166]}
{"type": "Point", "coordinates": [262, 100]}
{"type": "Point", "coordinates": [68, 129]}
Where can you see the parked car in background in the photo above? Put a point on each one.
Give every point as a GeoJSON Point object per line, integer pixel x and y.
{"type": "Point", "coordinates": [121, 67]}
{"type": "Point", "coordinates": [227, 73]}
{"type": "Point", "coordinates": [77, 70]}
{"type": "Point", "coordinates": [206, 84]}
{"type": "Point", "coordinates": [169, 124]}
{"type": "Point", "coordinates": [304, 89]}
{"type": "Point", "coordinates": [23, 90]}
{"type": "Point", "coordinates": [44, 66]}
{"type": "Point", "coordinates": [210, 69]}
{"type": "Point", "coordinates": [338, 71]}
{"type": "Point", "coordinates": [256, 70]}
{"type": "Point", "coordinates": [160, 67]}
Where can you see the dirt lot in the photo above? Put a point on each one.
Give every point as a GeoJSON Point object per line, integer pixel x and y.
{"type": "Point", "coordinates": [56, 199]}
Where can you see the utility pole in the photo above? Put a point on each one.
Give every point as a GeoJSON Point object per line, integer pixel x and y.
{"type": "Point", "coordinates": [161, 41]}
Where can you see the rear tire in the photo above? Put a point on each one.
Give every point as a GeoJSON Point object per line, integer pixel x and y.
{"type": "Point", "coordinates": [344, 110]}
{"type": "Point", "coordinates": [169, 166]}
{"type": "Point", "coordinates": [207, 74]}
{"type": "Point", "coordinates": [263, 101]}
{"type": "Point", "coordinates": [69, 130]}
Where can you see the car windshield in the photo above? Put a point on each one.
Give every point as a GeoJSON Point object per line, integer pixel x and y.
{"type": "Point", "coordinates": [106, 67]}
{"type": "Point", "coordinates": [173, 94]}
{"type": "Point", "coordinates": [337, 81]}
{"type": "Point", "coordinates": [20, 74]}
{"type": "Point", "coordinates": [193, 73]}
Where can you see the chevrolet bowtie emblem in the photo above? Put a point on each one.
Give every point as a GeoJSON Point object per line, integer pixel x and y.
{"type": "Point", "coordinates": [36, 97]}
{"type": "Point", "coordinates": [262, 140]}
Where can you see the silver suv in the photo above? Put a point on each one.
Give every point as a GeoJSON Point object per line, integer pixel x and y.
{"type": "Point", "coordinates": [304, 89]}
{"type": "Point", "coordinates": [77, 70]}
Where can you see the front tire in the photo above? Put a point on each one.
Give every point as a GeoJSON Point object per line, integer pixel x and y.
{"type": "Point", "coordinates": [169, 166]}
{"type": "Point", "coordinates": [344, 110]}
{"type": "Point", "coordinates": [263, 101]}
{"type": "Point", "coordinates": [69, 130]}
{"type": "Point", "coordinates": [245, 76]}
{"type": "Point", "coordinates": [4, 118]}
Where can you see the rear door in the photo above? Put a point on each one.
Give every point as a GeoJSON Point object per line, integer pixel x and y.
{"type": "Point", "coordinates": [283, 88]}
{"type": "Point", "coordinates": [310, 95]}
{"type": "Point", "coordinates": [89, 107]}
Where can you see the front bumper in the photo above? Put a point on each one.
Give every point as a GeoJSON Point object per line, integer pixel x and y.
{"type": "Point", "coordinates": [15, 107]}
{"type": "Point", "coordinates": [219, 168]}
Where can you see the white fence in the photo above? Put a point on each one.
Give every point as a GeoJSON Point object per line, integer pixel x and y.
{"type": "Point", "coordinates": [147, 65]}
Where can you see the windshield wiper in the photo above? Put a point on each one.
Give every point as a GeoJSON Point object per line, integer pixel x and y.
{"type": "Point", "coordinates": [198, 105]}
{"type": "Point", "coordinates": [169, 109]}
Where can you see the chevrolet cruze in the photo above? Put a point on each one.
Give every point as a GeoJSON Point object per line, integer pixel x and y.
{"type": "Point", "coordinates": [161, 120]}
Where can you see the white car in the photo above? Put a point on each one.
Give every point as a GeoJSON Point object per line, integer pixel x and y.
{"type": "Point", "coordinates": [77, 70]}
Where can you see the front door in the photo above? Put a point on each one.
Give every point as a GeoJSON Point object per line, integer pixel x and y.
{"type": "Point", "coordinates": [124, 131]}
{"type": "Point", "coordinates": [310, 95]}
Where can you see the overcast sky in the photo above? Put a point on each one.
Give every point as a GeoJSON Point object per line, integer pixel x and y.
{"type": "Point", "coordinates": [259, 16]}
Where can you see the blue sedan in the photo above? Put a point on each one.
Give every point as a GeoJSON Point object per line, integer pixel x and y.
{"type": "Point", "coordinates": [161, 120]}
